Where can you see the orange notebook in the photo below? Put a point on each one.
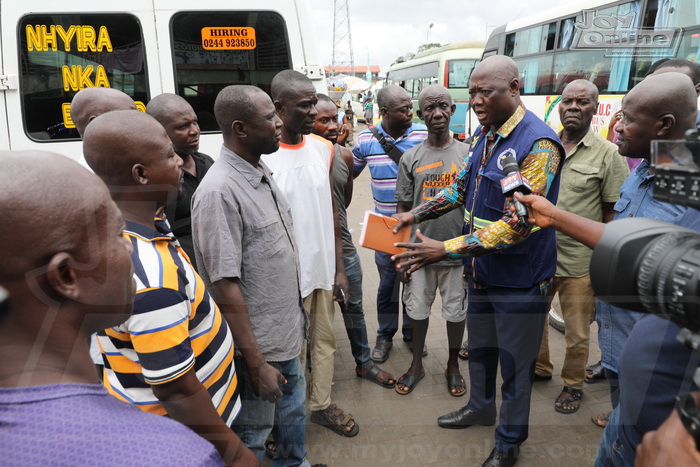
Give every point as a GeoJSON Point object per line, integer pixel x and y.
{"type": "Point", "coordinates": [378, 233]}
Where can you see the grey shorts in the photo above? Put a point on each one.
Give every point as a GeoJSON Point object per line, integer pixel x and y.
{"type": "Point", "coordinates": [419, 293]}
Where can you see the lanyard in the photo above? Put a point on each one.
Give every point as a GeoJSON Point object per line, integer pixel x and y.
{"type": "Point", "coordinates": [485, 158]}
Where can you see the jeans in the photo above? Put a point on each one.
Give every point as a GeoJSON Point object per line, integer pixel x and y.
{"type": "Point", "coordinates": [388, 301]}
{"type": "Point", "coordinates": [286, 419]}
{"type": "Point", "coordinates": [612, 452]}
{"type": "Point", "coordinates": [354, 315]}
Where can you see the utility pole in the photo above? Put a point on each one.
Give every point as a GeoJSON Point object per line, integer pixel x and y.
{"type": "Point", "coordinates": [342, 38]}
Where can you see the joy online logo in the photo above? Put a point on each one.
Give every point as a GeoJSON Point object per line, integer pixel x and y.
{"type": "Point", "coordinates": [597, 31]}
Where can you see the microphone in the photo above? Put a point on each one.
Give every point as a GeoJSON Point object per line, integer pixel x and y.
{"type": "Point", "coordinates": [513, 182]}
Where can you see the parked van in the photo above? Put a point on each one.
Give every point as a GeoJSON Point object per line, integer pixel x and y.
{"type": "Point", "coordinates": [50, 51]}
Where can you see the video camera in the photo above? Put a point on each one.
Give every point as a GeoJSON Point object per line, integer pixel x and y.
{"type": "Point", "coordinates": [654, 267]}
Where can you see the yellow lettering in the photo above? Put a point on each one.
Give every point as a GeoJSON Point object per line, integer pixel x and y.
{"type": "Point", "coordinates": [33, 38]}
{"type": "Point", "coordinates": [70, 77]}
{"type": "Point", "coordinates": [86, 39]}
{"type": "Point", "coordinates": [85, 81]}
{"type": "Point", "coordinates": [101, 77]}
{"type": "Point", "coordinates": [49, 37]}
{"type": "Point", "coordinates": [66, 36]}
{"type": "Point", "coordinates": [76, 78]}
{"type": "Point", "coordinates": [103, 40]}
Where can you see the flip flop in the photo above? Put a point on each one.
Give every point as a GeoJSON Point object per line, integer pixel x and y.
{"type": "Point", "coordinates": [409, 382]}
{"type": "Point", "coordinates": [575, 396]}
{"type": "Point", "coordinates": [371, 375]}
{"type": "Point", "coordinates": [464, 351]}
{"type": "Point", "coordinates": [601, 419]}
{"type": "Point", "coordinates": [454, 382]}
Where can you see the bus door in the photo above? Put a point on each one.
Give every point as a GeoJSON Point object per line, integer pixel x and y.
{"type": "Point", "coordinates": [8, 84]}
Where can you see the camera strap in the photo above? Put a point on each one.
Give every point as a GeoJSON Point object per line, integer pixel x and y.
{"type": "Point", "coordinates": [391, 150]}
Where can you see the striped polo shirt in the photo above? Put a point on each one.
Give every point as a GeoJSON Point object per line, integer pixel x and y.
{"type": "Point", "coordinates": [382, 169]}
{"type": "Point", "coordinates": [175, 326]}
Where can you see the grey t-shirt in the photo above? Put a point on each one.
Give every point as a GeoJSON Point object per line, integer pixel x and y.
{"type": "Point", "coordinates": [423, 173]}
{"type": "Point", "coordinates": [340, 173]}
{"type": "Point", "coordinates": [242, 228]}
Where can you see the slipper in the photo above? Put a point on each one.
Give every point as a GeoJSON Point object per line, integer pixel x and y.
{"type": "Point", "coordinates": [464, 351]}
{"type": "Point", "coordinates": [594, 374]}
{"type": "Point", "coordinates": [270, 447]}
{"type": "Point", "coordinates": [601, 419]}
{"type": "Point", "coordinates": [409, 383]}
{"type": "Point", "coordinates": [334, 417]}
{"type": "Point", "coordinates": [576, 396]}
{"type": "Point", "coordinates": [454, 382]}
{"type": "Point", "coordinates": [371, 374]}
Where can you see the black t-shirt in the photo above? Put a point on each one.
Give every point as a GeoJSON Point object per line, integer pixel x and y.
{"type": "Point", "coordinates": [179, 213]}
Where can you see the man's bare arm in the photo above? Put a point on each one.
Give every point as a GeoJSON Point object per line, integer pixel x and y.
{"type": "Point", "coordinates": [188, 401]}
{"type": "Point", "coordinates": [543, 213]}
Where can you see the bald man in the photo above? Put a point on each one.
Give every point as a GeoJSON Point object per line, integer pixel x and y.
{"type": "Point", "coordinates": [510, 266]}
{"type": "Point", "coordinates": [591, 176]}
{"type": "Point", "coordinates": [301, 168]}
{"type": "Point", "coordinates": [67, 276]}
{"type": "Point", "coordinates": [653, 366]}
{"type": "Point", "coordinates": [174, 354]}
{"type": "Point", "coordinates": [88, 103]}
{"type": "Point", "coordinates": [180, 122]}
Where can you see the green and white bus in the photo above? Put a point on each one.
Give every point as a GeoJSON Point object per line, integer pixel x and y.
{"type": "Point", "coordinates": [451, 66]}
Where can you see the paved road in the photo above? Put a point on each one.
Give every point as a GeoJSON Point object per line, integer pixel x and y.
{"type": "Point", "coordinates": [402, 430]}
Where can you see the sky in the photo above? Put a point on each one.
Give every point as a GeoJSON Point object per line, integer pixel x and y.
{"type": "Point", "coordinates": [384, 30]}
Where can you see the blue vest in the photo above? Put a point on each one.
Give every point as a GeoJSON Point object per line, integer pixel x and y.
{"type": "Point", "coordinates": [532, 260]}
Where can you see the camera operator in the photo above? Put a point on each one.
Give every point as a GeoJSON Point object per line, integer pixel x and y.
{"type": "Point", "coordinates": [671, 444]}
{"type": "Point", "coordinates": [653, 366]}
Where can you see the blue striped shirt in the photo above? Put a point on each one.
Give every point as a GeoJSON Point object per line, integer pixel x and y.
{"type": "Point", "coordinates": [382, 169]}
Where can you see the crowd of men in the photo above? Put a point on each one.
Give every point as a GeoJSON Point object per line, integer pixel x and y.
{"type": "Point", "coordinates": [206, 288]}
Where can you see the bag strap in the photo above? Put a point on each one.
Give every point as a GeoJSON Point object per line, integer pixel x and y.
{"type": "Point", "coordinates": [391, 150]}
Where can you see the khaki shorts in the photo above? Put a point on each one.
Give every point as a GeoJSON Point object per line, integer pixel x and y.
{"type": "Point", "coordinates": [419, 293]}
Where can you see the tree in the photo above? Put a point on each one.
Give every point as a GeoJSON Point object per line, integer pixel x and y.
{"type": "Point", "coordinates": [409, 55]}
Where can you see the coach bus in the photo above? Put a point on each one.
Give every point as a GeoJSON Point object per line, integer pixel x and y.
{"type": "Point", "coordinates": [49, 51]}
{"type": "Point", "coordinates": [609, 43]}
{"type": "Point", "coordinates": [451, 66]}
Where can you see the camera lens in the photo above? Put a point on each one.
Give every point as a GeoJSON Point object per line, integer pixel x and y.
{"type": "Point", "coordinates": [667, 281]}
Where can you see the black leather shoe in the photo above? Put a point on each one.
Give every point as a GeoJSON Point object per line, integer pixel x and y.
{"type": "Point", "coordinates": [464, 418]}
{"type": "Point", "coordinates": [381, 351]}
{"type": "Point", "coordinates": [543, 377]}
{"type": "Point", "coordinates": [502, 458]}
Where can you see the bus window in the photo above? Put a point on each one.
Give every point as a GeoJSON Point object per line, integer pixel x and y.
{"type": "Point", "coordinates": [536, 75]}
{"type": "Point", "coordinates": [678, 14]}
{"type": "Point", "coordinates": [61, 54]}
{"type": "Point", "coordinates": [690, 46]}
{"type": "Point", "coordinates": [458, 73]}
{"type": "Point", "coordinates": [581, 64]}
{"type": "Point", "coordinates": [215, 49]}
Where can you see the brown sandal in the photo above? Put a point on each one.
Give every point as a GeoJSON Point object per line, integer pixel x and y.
{"type": "Point", "coordinates": [601, 419]}
{"type": "Point", "coordinates": [334, 418]}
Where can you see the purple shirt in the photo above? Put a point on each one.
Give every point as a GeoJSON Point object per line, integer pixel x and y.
{"type": "Point", "coordinates": [82, 424]}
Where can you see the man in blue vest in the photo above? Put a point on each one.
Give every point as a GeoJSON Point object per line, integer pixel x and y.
{"type": "Point", "coordinates": [509, 265]}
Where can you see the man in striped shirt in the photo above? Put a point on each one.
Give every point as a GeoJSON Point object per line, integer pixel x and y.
{"type": "Point", "coordinates": [396, 112]}
{"type": "Point", "coordinates": [174, 355]}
